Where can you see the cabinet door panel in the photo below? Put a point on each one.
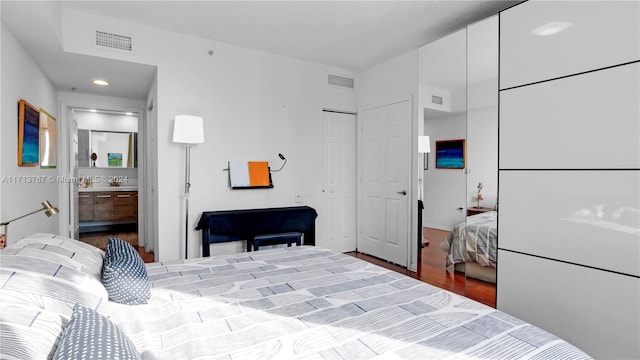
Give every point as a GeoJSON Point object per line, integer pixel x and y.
{"type": "Point", "coordinates": [85, 201]}
{"type": "Point", "coordinates": [590, 304]}
{"type": "Point", "coordinates": [601, 34]}
{"type": "Point", "coordinates": [583, 217]}
{"type": "Point", "coordinates": [581, 122]}
{"type": "Point", "coordinates": [125, 208]}
{"type": "Point", "coordinates": [103, 206]}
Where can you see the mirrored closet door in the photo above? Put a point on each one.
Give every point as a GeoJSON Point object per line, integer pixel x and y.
{"type": "Point", "coordinates": [458, 95]}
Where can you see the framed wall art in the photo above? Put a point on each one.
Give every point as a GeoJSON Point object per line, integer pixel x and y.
{"type": "Point", "coordinates": [48, 141]}
{"type": "Point", "coordinates": [114, 159]}
{"type": "Point", "coordinates": [28, 134]}
{"type": "Point", "coordinates": [249, 175]}
{"type": "Point", "coordinates": [450, 154]}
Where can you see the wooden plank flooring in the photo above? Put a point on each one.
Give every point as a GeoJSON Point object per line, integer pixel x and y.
{"type": "Point", "coordinates": [432, 271]}
{"type": "Point", "coordinates": [99, 240]}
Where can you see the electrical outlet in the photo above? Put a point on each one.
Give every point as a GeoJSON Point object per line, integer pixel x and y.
{"type": "Point", "coordinates": [298, 198]}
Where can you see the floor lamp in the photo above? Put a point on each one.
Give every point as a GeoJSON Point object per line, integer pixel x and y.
{"type": "Point", "coordinates": [187, 130]}
{"type": "Point", "coordinates": [48, 209]}
{"type": "Point", "coordinates": [424, 148]}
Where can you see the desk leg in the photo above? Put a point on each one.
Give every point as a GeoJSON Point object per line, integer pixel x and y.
{"type": "Point", "coordinates": [205, 243]}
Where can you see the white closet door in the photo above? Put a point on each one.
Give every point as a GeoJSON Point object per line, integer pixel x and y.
{"type": "Point", "coordinates": [595, 310]}
{"type": "Point", "coordinates": [586, 121]}
{"type": "Point", "coordinates": [601, 34]}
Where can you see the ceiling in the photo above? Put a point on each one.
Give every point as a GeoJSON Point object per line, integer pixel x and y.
{"type": "Point", "coordinates": [351, 35]}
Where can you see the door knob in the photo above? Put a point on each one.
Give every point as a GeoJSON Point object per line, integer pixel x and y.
{"type": "Point", "coordinates": [403, 192]}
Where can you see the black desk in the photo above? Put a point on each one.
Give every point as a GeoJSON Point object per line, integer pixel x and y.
{"type": "Point", "coordinates": [235, 225]}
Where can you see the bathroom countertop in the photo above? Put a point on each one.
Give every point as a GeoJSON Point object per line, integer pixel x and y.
{"type": "Point", "coordinates": [107, 188]}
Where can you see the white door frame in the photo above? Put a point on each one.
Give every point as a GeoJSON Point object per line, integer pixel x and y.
{"type": "Point", "coordinates": [411, 189]}
{"type": "Point", "coordinates": [66, 227]}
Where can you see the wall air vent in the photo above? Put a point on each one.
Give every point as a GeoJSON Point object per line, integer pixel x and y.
{"type": "Point", "coordinates": [341, 81]}
{"type": "Point", "coordinates": [111, 40]}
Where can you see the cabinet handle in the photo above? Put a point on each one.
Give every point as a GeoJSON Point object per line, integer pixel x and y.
{"type": "Point", "coordinates": [103, 196]}
{"type": "Point", "coordinates": [123, 195]}
{"type": "Point", "coordinates": [84, 196]}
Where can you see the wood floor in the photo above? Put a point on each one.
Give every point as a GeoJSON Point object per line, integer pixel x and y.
{"type": "Point", "coordinates": [432, 270]}
{"type": "Point", "coordinates": [99, 239]}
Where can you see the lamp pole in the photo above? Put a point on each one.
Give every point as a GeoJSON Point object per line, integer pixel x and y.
{"type": "Point", "coordinates": [188, 130]}
{"type": "Point", "coordinates": [187, 186]}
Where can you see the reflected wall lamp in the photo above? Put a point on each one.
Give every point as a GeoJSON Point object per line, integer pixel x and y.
{"type": "Point", "coordinates": [424, 144]}
{"type": "Point", "coordinates": [48, 209]}
{"type": "Point", "coordinates": [188, 130]}
{"type": "Point", "coordinates": [424, 147]}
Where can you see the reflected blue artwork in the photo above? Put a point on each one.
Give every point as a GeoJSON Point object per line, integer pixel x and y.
{"type": "Point", "coordinates": [450, 154]}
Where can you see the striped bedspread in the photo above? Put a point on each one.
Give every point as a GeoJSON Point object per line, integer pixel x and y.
{"type": "Point", "coordinates": [310, 303]}
{"type": "Point", "coordinates": [475, 240]}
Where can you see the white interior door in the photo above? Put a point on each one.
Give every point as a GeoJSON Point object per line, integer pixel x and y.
{"type": "Point", "coordinates": [386, 169]}
{"type": "Point", "coordinates": [339, 185]}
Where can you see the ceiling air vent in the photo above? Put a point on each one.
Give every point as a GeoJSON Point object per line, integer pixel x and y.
{"type": "Point", "coordinates": [340, 81]}
{"type": "Point", "coordinates": [114, 41]}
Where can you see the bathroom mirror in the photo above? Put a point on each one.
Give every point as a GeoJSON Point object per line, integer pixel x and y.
{"type": "Point", "coordinates": [107, 139]}
{"type": "Point", "coordinates": [112, 149]}
{"type": "Point", "coordinates": [107, 149]}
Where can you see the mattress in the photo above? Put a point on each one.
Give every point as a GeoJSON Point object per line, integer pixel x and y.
{"type": "Point", "coordinates": [286, 303]}
{"type": "Point", "coordinates": [310, 303]}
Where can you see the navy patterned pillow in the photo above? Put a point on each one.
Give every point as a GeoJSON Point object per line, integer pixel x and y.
{"type": "Point", "coordinates": [89, 335]}
{"type": "Point", "coordinates": [124, 274]}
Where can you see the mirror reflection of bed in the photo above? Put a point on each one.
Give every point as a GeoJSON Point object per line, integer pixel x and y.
{"type": "Point", "coordinates": [460, 215]}
{"type": "Point", "coordinates": [471, 247]}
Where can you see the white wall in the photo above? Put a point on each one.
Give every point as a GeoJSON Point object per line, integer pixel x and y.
{"type": "Point", "coordinates": [444, 189]}
{"type": "Point", "coordinates": [255, 105]}
{"type": "Point", "coordinates": [107, 122]}
{"type": "Point", "coordinates": [21, 78]}
{"type": "Point", "coordinates": [482, 143]}
{"type": "Point", "coordinates": [392, 80]}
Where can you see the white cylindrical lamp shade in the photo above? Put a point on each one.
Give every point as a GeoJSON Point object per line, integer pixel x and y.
{"type": "Point", "coordinates": [424, 144]}
{"type": "Point", "coordinates": [188, 129]}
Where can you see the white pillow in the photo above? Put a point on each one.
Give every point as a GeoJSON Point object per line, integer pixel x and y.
{"type": "Point", "coordinates": [66, 251]}
{"type": "Point", "coordinates": [28, 332]}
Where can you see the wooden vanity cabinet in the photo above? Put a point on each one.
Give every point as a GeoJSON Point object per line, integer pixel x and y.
{"type": "Point", "coordinates": [103, 205]}
{"type": "Point", "coordinates": [126, 205]}
{"type": "Point", "coordinates": [108, 205]}
{"type": "Point", "coordinates": [85, 200]}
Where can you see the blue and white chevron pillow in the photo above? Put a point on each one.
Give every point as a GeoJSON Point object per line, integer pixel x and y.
{"type": "Point", "coordinates": [89, 335]}
{"type": "Point", "coordinates": [124, 274]}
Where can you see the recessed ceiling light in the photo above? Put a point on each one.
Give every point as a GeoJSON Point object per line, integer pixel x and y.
{"type": "Point", "coordinates": [551, 28]}
{"type": "Point", "coordinates": [101, 82]}
{"type": "Point", "coordinates": [93, 110]}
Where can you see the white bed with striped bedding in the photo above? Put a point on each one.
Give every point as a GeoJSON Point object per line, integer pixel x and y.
{"type": "Point", "coordinates": [300, 302]}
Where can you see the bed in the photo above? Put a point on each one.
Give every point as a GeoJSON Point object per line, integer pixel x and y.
{"type": "Point", "coordinates": [471, 247]}
{"type": "Point", "coordinates": [300, 302]}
